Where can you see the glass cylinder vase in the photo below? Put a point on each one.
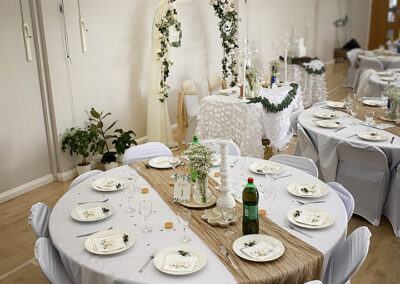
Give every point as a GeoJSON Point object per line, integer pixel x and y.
{"type": "Point", "coordinates": [201, 194]}
{"type": "Point", "coordinates": [393, 112]}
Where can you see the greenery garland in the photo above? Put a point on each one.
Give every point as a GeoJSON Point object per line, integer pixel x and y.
{"type": "Point", "coordinates": [228, 27]}
{"type": "Point", "coordinates": [170, 20]}
{"type": "Point", "coordinates": [270, 107]}
{"type": "Point", "coordinates": [310, 70]}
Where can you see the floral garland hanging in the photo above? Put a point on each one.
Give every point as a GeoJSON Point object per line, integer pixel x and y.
{"type": "Point", "coordinates": [164, 26]}
{"type": "Point", "coordinates": [228, 27]}
{"type": "Point", "coordinates": [270, 107]}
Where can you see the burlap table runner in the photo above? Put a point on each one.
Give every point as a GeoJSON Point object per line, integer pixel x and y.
{"type": "Point", "coordinates": [300, 263]}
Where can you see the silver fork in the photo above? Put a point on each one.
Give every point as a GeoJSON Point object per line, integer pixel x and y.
{"type": "Point", "coordinates": [147, 262]}
{"type": "Point", "coordinates": [309, 202]}
{"type": "Point", "coordinates": [88, 234]}
{"type": "Point", "coordinates": [105, 200]}
{"type": "Point", "coordinates": [226, 253]}
{"type": "Point", "coordinates": [301, 232]}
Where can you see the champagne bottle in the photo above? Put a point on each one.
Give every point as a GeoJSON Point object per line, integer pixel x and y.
{"type": "Point", "coordinates": [250, 208]}
{"type": "Point", "coordinates": [192, 171]}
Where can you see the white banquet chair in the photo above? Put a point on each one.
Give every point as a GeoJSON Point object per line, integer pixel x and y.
{"type": "Point", "coordinates": [192, 106]}
{"type": "Point", "coordinates": [305, 147]}
{"type": "Point", "coordinates": [39, 219]}
{"type": "Point", "coordinates": [50, 262]}
{"type": "Point", "coordinates": [301, 163]}
{"type": "Point", "coordinates": [364, 87]}
{"type": "Point", "coordinates": [320, 103]}
{"type": "Point", "coordinates": [146, 151]}
{"type": "Point", "coordinates": [392, 209]}
{"type": "Point", "coordinates": [363, 170]}
{"type": "Point", "coordinates": [314, 282]}
{"type": "Point", "coordinates": [233, 149]}
{"type": "Point", "coordinates": [348, 257]}
{"type": "Point", "coordinates": [293, 120]}
{"type": "Point", "coordinates": [345, 196]}
{"type": "Point", "coordinates": [366, 63]}
{"type": "Point", "coordinates": [84, 176]}
{"type": "Point", "coordinates": [394, 65]}
{"type": "Point", "coordinates": [351, 72]}
{"type": "Point", "coordinates": [215, 83]}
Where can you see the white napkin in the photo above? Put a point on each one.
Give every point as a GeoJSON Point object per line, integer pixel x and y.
{"type": "Point", "coordinates": [312, 188]}
{"type": "Point", "coordinates": [268, 169]}
{"type": "Point", "coordinates": [162, 163]}
{"type": "Point", "coordinates": [261, 250]}
{"type": "Point", "coordinates": [108, 243]}
{"type": "Point", "coordinates": [178, 263]}
{"type": "Point", "coordinates": [229, 91]}
{"type": "Point", "coordinates": [90, 213]}
{"type": "Point", "coordinates": [111, 183]}
{"type": "Point", "coordinates": [311, 218]}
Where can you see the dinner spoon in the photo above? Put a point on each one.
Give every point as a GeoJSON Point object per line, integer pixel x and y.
{"type": "Point", "coordinates": [88, 234]}
{"type": "Point", "coordinates": [80, 203]}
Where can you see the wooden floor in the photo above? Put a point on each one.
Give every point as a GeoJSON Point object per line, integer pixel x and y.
{"type": "Point", "coordinates": [17, 264]}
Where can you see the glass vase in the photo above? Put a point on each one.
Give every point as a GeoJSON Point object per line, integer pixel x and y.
{"type": "Point", "coordinates": [393, 112]}
{"type": "Point", "coordinates": [201, 195]}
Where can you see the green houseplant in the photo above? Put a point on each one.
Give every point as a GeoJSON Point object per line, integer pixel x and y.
{"type": "Point", "coordinates": [123, 141]}
{"type": "Point", "coordinates": [80, 142]}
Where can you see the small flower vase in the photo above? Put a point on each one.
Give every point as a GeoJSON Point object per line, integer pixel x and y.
{"type": "Point", "coordinates": [393, 112]}
{"type": "Point", "coordinates": [201, 194]}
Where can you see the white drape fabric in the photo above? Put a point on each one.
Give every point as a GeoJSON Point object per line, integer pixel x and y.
{"type": "Point", "coordinates": [247, 124]}
{"type": "Point", "coordinates": [145, 151]}
{"type": "Point", "coordinates": [392, 209]}
{"type": "Point", "coordinates": [364, 64]}
{"type": "Point", "coordinates": [50, 262]}
{"type": "Point", "coordinates": [39, 219]}
{"type": "Point", "coordinates": [301, 163]}
{"type": "Point", "coordinates": [364, 88]}
{"type": "Point", "coordinates": [192, 105]}
{"type": "Point", "coordinates": [346, 197]}
{"type": "Point", "coordinates": [84, 176]}
{"type": "Point", "coordinates": [305, 146]}
{"type": "Point", "coordinates": [233, 149]}
{"type": "Point", "coordinates": [351, 73]}
{"type": "Point", "coordinates": [348, 257]}
{"type": "Point", "coordinates": [293, 120]}
{"type": "Point", "coordinates": [158, 123]}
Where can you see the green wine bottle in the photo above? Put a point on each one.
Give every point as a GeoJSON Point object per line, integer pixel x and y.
{"type": "Point", "coordinates": [250, 208]}
{"type": "Point", "coordinates": [193, 172]}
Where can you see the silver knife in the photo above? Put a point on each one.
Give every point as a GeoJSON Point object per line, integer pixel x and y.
{"type": "Point", "coordinates": [147, 262]}
{"type": "Point", "coordinates": [337, 130]}
{"type": "Point", "coordinates": [88, 234]}
{"type": "Point", "coordinates": [225, 252]}
{"type": "Point", "coordinates": [301, 232]}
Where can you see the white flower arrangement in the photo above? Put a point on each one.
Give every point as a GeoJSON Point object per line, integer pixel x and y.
{"type": "Point", "coordinates": [252, 77]}
{"type": "Point", "coordinates": [393, 93]}
{"type": "Point", "coordinates": [201, 159]}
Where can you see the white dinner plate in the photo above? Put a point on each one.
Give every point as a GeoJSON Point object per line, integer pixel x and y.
{"type": "Point", "coordinates": [384, 73]}
{"type": "Point", "coordinates": [266, 167]}
{"type": "Point", "coordinates": [97, 184]}
{"type": "Point", "coordinates": [160, 256]}
{"type": "Point", "coordinates": [161, 163]}
{"type": "Point", "coordinates": [326, 114]}
{"type": "Point", "coordinates": [374, 103]}
{"type": "Point", "coordinates": [335, 104]}
{"type": "Point", "coordinates": [239, 244]}
{"type": "Point", "coordinates": [91, 248]}
{"type": "Point", "coordinates": [329, 123]}
{"type": "Point", "coordinates": [291, 188]}
{"type": "Point", "coordinates": [105, 205]}
{"type": "Point", "coordinates": [330, 219]}
{"type": "Point", "coordinates": [388, 79]}
{"type": "Point", "coordinates": [372, 136]}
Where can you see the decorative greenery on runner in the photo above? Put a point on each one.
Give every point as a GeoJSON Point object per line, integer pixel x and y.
{"type": "Point", "coordinates": [164, 26]}
{"type": "Point", "coordinates": [270, 107]}
{"type": "Point", "coordinates": [228, 27]}
{"type": "Point", "coordinates": [311, 70]}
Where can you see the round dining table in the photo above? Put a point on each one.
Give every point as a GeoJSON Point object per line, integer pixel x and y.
{"type": "Point", "coordinates": [386, 60]}
{"type": "Point", "coordinates": [378, 82]}
{"type": "Point", "coordinates": [85, 267]}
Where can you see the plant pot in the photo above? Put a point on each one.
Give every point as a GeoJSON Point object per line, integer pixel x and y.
{"type": "Point", "coordinates": [83, 169]}
{"type": "Point", "coordinates": [110, 166]}
{"type": "Point", "coordinates": [120, 157]}
{"type": "Point", "coordinates": [202, 194]}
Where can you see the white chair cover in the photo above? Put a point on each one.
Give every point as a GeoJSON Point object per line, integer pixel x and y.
{"type": "Point", "coordinates": [364, 87]}
{"type": "Point", "coordinates": [301, 163]}
{"type": "Point", "coordinates": [314, 282]}
{"type": "Point", "coordinates": [214, 83]}
{"type": "Point", "coordinates": [293, 120]}
{"type": "Point", "coordinates": [351, 73]}
{"type": "Point", "coordinates": [363, 170]}
{"type": "Point", "coordinates": [346, 197]}
{"type": "Point", "coordinates": [50, 262]}
{"type": "Point", "coordinates": [39, 219]}
{"type": "Point", "coordinates": [305, 147]}
{"type": "Point", "coordinates": [233, 149]}
{"type": "Point", "coordinates": [192, 109]}
{"type": "Point", "coordinates": [84, 176]}
{"type": "Point", "coordinates": [145, 152]}
{"type": "Point", "coordinates": [392, 205]}
{"type": "Point", "coordinates": [320, 103]}
{"type": "Point", "coordinates": [367, 63]}
{"type": "Point", "coordinates": [348, 257]}
{"type": "Point", "coordinates": [394, 65]}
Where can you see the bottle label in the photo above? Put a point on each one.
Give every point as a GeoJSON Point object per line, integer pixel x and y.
{"type": "Point", "coordinates": [250, 212]}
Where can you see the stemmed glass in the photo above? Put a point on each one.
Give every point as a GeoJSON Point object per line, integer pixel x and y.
{"type": "Point", "coordinates": [228, 214]}
{"type": "Point", "coordinates": [369, 118]}
{"type": "Point", "coordinates": [129, 192]}
{"type": "Point", "coordinates": [184, 217]}
{"type": "Point", "coordinates": [269, 191]}
{"type": "Point", "coordinates": [173, 161]}
{"type": "Point", "coordinates": [385, 100]}
{"type": "Point", "coordinates": [145, 209]}
{"type": "Point", "coordinates": [353, 111]}
{"type": "Point", "coordinates": [134, 173]}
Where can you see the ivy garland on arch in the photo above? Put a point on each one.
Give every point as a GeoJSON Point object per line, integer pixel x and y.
{"type": "Point", "coordinates": [270, 107]}
{"type": "Point", "coordinates": [164, 26]}
{"type": "Point", "coordinates": [228, 27]}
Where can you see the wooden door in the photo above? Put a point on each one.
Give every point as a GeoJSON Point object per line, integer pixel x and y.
{"type": "Point", "coordinates": [385, 22]}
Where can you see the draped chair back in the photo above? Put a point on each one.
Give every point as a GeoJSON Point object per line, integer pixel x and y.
{"type": "Point", "coordinates": [364, 87]}
{"type": "Point", "coordinates": [345, 196]}
{"type": "Point", "coordinates": [39, 219]}
{"type": "Point", "coordinates": [301, 163]}
{"type": "Point", "coordinates": [351, 73]}
{"type": "Point", "coordinates": [146, 151]}
{"type": "Point", "coordinates": [371, 63]}
{"type": "Point", "coordinates": [394, 65]}
{"type": "Point", "coordinates": [188, 107]}
{"type": "Point", "coordinates": [392, 209]}
{"type": "Point", "coordinates": [215, 83]}
{"type": "Point", "coordinates": [293, 120]}
{"type": "Point", "coordinates": [84, 176]}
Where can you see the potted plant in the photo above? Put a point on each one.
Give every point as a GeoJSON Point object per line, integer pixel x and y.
{"type": "Point", "coordinates": [123, 142]}
{"type": "Point", "coordinates": [80, 142]}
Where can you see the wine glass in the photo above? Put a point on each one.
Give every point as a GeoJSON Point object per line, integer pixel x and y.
{"type": "Point", "coordinates": [134, 173]}
{"type": "Point", "coordinates": [184, 217]}
{"type": "Point", "coordinates": [385, 100]}
{"type": "Point", "coordinates": [129, 192]}
{"type": "Point", "coordinates": [145, 209]}
{"type": "Point", "coordinates": [269, 191]}
{"type": "Point", "coordinates": [369, 118]}
{"type": "Point", "coordinates": [228, 214]}
{"type": "Point", "coordinates": [173, 161]}
{"type": "Point", "coordinates": [353, 111]}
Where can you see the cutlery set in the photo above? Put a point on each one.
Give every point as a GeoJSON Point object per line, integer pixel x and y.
{"type": "Point", "coordinates": [226, 253]}
{"type": "Point", "coordinates": [88, 234]}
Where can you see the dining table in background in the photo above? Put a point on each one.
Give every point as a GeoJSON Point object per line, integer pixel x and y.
{"type": "Point", "coordinates": [378, 83]}
{"type": "Point", "coordinates": [385, 58]}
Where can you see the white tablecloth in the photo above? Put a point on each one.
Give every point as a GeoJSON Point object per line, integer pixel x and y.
{"type": "Point", "coordinates": [378, 85]}
{"type": "Point", "coordinates": [247, 124]}
{"type": "Point", "coordinates": [123, 268]}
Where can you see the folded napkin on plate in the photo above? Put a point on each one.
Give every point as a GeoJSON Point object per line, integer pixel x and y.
{"type": "Point", "coordinates": [267, 169]}
{"type": "Point", "coordinates": [179, 263]}
{"type": "Point", "coordinates": [111, 183]}
{"type": "Point", "coordinates": [311, 218]}
{"type": "Point", "coordinates": [230, 90]}
{"type": "Point", "coordinates": [108, 243]}
{"type": "Point", "coordinates": [308, 189]}
{"type": "Point", "coordinates": [90, 213]}
{"type": "Point", "coordinates": [162, 163]}
{"type": "Point", "coordinates": [262, 250]}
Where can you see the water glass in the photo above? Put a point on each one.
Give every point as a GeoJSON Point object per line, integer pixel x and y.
{"type": "Point", "coordinates": [228, 214]}
{"type": "Point", "coordinates": [369, 118]}
{"type": "Point", "coordinates": [184, 217]}
{"type": "Point", "coordinates": [145, 210]}
{"type": "Point", "coordinates": [353, 111]}
{"type": "Point", "coordinates": [129, 192]}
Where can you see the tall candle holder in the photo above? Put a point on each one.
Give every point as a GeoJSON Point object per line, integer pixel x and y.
{"type": "Point", "coordinates": [225, 199]}
{"type": "Point", "coordinates": [245, 54]}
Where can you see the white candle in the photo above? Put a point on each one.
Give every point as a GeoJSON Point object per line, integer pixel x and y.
{"type": "Point", "coordinates": [285, 63]}
{"type": "Point", "coordinates": [306, 34]}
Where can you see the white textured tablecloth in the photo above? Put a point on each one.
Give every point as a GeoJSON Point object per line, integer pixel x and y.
{"type": "Point", "coordinates": [246, 124]}
{"type": "Point", "coordinates": [123, 268]}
